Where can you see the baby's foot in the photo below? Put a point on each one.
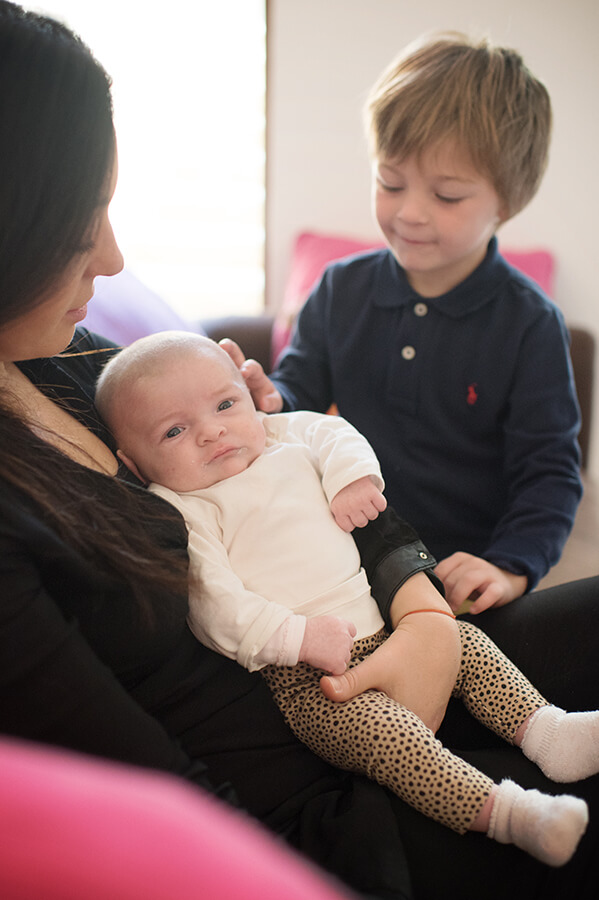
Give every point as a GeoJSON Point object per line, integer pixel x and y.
{"type": "Point", "coordinates": [565, 746]}
{"type": "Point", "coordinates": [549, 828]}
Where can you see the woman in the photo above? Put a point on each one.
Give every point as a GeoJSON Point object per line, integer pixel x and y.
{"type": "Point", "coordinates": [95, 654]}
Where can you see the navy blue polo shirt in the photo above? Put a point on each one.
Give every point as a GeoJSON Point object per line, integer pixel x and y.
{"type": "Point", "coordinates": [468, 400]}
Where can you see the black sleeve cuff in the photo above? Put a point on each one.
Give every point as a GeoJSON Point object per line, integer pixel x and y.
{"type": "Point", "coordinates": [392, 552]}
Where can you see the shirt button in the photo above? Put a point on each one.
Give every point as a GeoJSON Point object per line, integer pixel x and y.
{"type": "Point", "coordinates": [408, 352]}
{"type": "Point", "coordinates": [420, 309]}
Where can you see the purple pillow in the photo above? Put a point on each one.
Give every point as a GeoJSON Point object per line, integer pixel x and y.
{"type": "Point", "coordinates": [124, 309]}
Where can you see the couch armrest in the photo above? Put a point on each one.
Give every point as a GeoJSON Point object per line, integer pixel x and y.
{"type": "Point", "coordinates": [582, 350]}
{"type": "Point", "coordinates": [579, 559]}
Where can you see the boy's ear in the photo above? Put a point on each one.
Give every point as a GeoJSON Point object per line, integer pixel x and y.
{"type": "Point", "coordinates": [131, 465]}
{"type": "Point", "coordinates": [504, 214]}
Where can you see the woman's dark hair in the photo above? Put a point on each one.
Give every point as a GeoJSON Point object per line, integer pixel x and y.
{"type": "Point", "coordinates": [56, 152]}
{"type": "Point", "coordinates": [56, 158]}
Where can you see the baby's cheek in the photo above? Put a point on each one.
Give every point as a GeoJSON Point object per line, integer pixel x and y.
{"type": "Point", "coordinates": [260, 438]}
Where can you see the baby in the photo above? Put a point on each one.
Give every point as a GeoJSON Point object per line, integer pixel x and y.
{"type": "Point", "coordinates": [276, 583]}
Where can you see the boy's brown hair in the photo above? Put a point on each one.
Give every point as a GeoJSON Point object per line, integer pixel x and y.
{"type": "Point", "coordinates": [478, 96]}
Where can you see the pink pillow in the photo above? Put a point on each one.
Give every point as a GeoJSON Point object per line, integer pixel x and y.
{"type": "Point", "coordinates": [537, 264]}
{"type": "Point", "coordinates": [312, 252]}
{"type": "Point", "coordinates": [74, 828]}
{"type": "Point", "coordinates": [311, 255]}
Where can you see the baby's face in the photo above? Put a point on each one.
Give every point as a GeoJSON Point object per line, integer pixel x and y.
{"type": "Point", "coordinates": [191, 425]}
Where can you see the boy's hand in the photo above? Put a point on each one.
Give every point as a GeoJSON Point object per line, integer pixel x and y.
{"type": "Point", "coordinates": [264, 394]}
{"type": "Point", "coordinates": [357, 504]}
{"type": "Point", "coordinates": [466, 577]}
{"type": "Point", "coordinates": [327, 643]}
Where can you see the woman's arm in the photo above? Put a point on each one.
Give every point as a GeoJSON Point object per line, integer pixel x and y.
{"type": "Point", "coordinates": [54, 689]}
{"type": "Point", "coordinates": [419, 662]}
{"type": "Point", "coordinates": [391, 552]}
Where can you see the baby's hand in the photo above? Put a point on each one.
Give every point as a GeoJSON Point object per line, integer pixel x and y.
{"type": "Point", "coordinates": [327, 643]}
{"type": "Point", "coordinates": [357, 504]}
{"type": "Point", "coordinates": [264, 394]}
{"type": "Point", "coordinates": [469, 578]}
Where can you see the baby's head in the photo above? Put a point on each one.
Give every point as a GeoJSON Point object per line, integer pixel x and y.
{"type": "Point", "coordinates": [478, 99]}
{"type": "Point", "coordinates": [180, 411]}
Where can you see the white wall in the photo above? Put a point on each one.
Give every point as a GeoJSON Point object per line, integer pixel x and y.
{"type": "Point", "coordinates": [323, 57]}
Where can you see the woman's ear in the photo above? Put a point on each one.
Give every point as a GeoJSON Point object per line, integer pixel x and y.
{"type": "Point", "coordinates": [131, 466]}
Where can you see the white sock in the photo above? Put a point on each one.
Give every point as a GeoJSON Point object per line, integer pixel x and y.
{"type": "Point", "coordinates": [549, 828]}
{"type": "Point", "coordinates": [565, 746]}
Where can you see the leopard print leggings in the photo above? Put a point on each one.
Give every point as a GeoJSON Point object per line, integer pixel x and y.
{"type": "Point", "coordinates": [377, 737]}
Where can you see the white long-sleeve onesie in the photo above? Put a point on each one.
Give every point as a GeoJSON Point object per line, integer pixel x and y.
{"type": "Point", "coordinates": [265, 551]}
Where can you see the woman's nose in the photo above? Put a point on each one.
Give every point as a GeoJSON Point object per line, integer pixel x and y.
{"type": "Point", "coordinates": [107, 258]}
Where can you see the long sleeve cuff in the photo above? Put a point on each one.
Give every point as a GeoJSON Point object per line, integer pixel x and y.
{"type": "Point", "coordinates": [392, 552]}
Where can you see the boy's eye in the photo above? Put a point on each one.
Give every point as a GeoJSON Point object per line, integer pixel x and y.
{"type": "Point", "coordinates": [390, 188]}
{"type": "Point", "coordinates": [173, 432]}
{"type": "Point", "coordinates": [449, 199]}
{"type": "Point", "coordinates": [226, 404]}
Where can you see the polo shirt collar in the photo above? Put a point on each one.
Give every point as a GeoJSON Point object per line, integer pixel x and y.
{"type": "Point", "coordinates": [391, 287]}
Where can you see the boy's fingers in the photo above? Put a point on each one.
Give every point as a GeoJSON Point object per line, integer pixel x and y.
{"type": "Point", "coordinates": [234, 351]}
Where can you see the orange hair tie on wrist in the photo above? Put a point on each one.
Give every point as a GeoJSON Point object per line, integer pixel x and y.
{"type": "Point", "coordinates": [442, 612]}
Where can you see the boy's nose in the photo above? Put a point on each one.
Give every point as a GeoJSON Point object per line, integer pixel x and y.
{"type": "Point", "coordinates": [412, 208]}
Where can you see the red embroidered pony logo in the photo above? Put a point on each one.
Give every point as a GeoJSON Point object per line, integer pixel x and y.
{"type": "Point", "coordinates": [472, 396]}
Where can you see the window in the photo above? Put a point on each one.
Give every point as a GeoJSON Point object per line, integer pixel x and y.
{"type": "Point", "coordinates": [189, 97]}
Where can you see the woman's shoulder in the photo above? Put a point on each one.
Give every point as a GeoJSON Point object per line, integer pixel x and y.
{"type": "Point", "coordinates": [80, 362]}
{"type": "Point", "coordinates": [70, 377]}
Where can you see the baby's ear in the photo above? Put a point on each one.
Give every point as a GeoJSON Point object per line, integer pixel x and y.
{"type": "Point", "coordinates": [131, 465]}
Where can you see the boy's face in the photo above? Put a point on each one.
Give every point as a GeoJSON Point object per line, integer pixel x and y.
{"type": "Point", "coordinates": [190, 425]}
{"type": "Point", "coordinates": [437, 214]}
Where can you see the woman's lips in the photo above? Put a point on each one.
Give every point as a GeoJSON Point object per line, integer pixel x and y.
{"type": "Point", "coordinates": [77, 315]}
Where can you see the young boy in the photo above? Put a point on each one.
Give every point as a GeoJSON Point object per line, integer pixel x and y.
{"type": "Point", "coordinates": [453, 365]}
{"type": "Point", "coordinates": [276, 583]}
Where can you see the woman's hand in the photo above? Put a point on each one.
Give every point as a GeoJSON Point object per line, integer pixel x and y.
{"type": "Point", "coordinates": [264, 394]}
{"type": "Point", "coordinates": [419, 662]}
{"type": "Point", "coordinates": [466, 577]}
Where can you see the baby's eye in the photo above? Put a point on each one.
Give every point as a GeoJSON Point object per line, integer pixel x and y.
{"type": "Point", "coordinates": [173, 432]}
{"type": "Point", "coordinates": [444, 199]}
{"type": "Point", "coordinates": [226, 404]}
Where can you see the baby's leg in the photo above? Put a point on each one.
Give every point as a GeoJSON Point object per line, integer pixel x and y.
{"type": "Point", "coordinates": [491, 687]}
{"type": "Point", "coordinates": [565, 746]}
{"type": "Point", "coordinates": [377, 737]}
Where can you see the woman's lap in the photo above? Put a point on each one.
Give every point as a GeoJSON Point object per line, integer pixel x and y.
{"type": "Point", "coordinates": [552, 636]}
{"type": "Point", "coordinates": [443, 863]}
{"type": "Point", "coordinates": [474, 866]}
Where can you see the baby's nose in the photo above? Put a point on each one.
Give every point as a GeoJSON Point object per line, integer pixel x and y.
{"type": "Point", "coordinates": [210, 432]}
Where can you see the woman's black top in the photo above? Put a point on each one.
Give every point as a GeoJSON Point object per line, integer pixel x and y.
{"type": "Point", "coordinates": [81, 667]}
